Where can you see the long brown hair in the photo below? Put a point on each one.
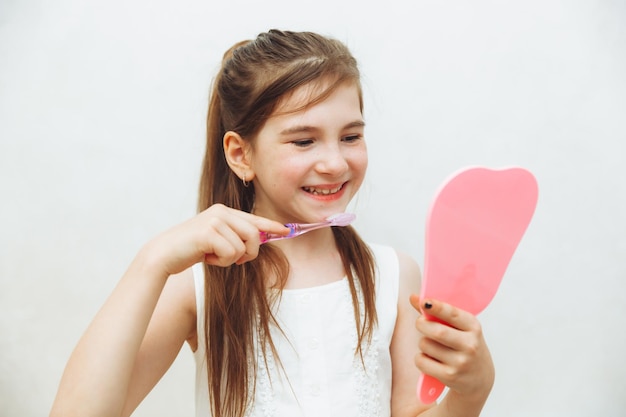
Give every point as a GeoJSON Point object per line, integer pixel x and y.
{"type": "Point", "coordinates": [254, 77]}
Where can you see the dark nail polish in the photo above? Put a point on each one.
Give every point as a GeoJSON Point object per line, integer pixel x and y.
{"type": "Point", "coordinates": [427, 305]}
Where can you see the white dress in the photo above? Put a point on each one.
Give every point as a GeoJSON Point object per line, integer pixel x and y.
{"type": "Point", "coordinates": [320, 373]}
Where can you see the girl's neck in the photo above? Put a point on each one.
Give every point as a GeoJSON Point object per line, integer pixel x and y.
{"type": "Point", "coordinates": [313, 259]}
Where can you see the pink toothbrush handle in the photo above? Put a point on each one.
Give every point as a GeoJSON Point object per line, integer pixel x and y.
{"type": "Point", "coordinates": [429, 388]}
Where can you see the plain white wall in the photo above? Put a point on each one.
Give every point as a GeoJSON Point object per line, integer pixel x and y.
{"type": "Point", "coordinates": [102, 108]}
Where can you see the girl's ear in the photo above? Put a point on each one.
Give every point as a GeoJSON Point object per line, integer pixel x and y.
{"type": "Point", "coordinates": [237, 153]}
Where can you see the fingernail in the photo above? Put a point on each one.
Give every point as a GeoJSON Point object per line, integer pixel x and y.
{"type": "Point", "coordinates": [427, 305]}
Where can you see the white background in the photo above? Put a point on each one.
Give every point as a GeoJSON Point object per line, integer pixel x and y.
{"type": "Point", "coordinates": [102, 108]}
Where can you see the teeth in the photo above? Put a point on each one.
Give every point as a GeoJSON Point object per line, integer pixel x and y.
{"type": "Point", "coordinates": [323, 191]}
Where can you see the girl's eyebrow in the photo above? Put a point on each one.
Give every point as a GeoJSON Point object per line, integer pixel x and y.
{"type": "Point", "coordinates": [307, 128]}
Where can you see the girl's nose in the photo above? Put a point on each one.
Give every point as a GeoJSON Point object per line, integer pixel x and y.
{"type": "Point", "coordinates": [332, 161]}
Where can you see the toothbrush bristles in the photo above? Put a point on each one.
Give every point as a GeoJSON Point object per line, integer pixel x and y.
{"type": "Point", "coordinates": [341, 219]}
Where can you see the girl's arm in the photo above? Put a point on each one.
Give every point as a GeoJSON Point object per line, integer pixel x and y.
{"type": "Point", "coordinates": [123, 353]}
{"type": "Point", "coordinates": [97, 377]}
{"type": "Point", "coordinates": [172, 323]}
{"type": "Point", "coordinates": [458, 355]}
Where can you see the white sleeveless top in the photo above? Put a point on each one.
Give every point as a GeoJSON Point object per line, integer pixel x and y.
{"type": "Point", "coordinates": [320, 373]}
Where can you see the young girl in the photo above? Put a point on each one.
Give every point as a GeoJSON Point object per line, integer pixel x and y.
{"type": "Point", "coordinates": [319, 325]}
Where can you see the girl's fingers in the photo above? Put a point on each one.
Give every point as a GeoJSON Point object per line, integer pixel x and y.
{"type": "Point", "coordinates": [224, 246]}
{"type": "Point", "coordinates": [415, 302]}
{"type": "Point", "coordinates": [452, 347]}
{"type": "Point", "coordinates": [431, 366]}
{"type": "Point", "coordinates": [218, 236]}
{"type": "Point", "coordinates": [447, 326]}
{"type": "Point", "coordinates": [435, 350]}
{"type": "Point", "coordinates": [263, 224]}
{"type": "Point", "coordinates": [441, 322]}
{"type": "Point", "coordinates": [447, 313]}
{"type": "Point", "coordinates": [248, 230]}
{"type": "Point", "coordinates": [233, 236]}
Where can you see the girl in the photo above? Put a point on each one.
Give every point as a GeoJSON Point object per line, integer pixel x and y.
{"type": "Point", "coordinates": [321, 325]}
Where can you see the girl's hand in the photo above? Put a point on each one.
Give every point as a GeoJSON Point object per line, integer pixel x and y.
{"type": "Point", "coordinates": [218, 236]}
{"type": "Point", "coordinates": [457, 354]}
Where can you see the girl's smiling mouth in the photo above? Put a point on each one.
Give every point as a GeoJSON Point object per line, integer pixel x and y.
{"type": "Point", "coordinates": [324, 191]}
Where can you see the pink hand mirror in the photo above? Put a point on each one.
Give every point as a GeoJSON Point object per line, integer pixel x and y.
{"type": "Point", "coordinates": [475, 223]}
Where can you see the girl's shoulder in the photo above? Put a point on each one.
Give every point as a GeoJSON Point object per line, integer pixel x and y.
{"type": "Point", "coordinates": [388, 256]}
{"type": "Point", "coordinates": [399, 264]}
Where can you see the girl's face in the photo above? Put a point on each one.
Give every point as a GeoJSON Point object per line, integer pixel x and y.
{"type": "Point", "coordinates": [309, 164]}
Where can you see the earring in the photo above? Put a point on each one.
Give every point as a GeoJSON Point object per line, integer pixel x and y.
{"type": "Point", "coordinates": [245, 183]}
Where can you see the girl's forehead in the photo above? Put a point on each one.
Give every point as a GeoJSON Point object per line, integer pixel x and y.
{"type": "Point", "coordinates": [307, 95]}
{"type": "Point", "coordinates": [338, 109]}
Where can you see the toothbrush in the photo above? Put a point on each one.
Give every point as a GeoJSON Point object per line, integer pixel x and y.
{"type": "Point", "coordinates": [340, 219]}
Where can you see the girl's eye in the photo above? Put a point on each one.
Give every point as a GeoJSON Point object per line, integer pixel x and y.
{"type": "Point", "coordinates": [302, 142]}
{"type": "Point", "coordinates": [351, 138]}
